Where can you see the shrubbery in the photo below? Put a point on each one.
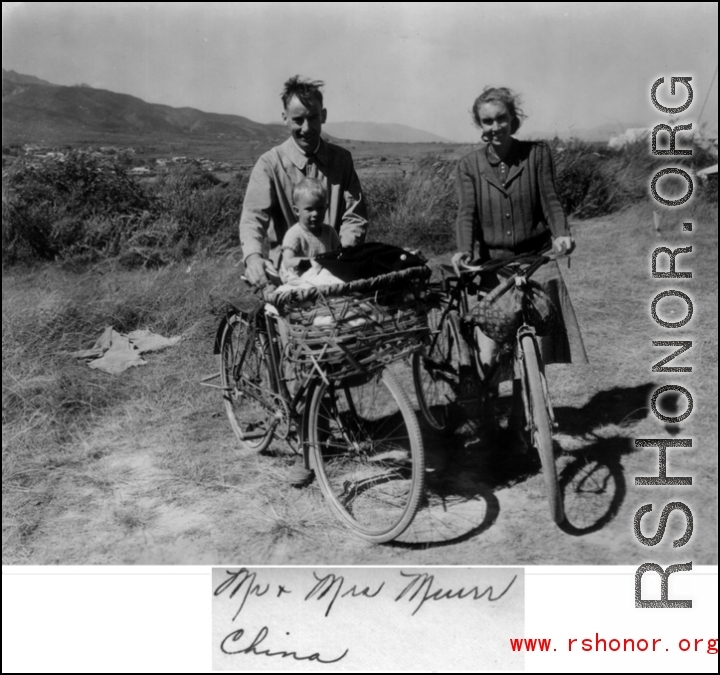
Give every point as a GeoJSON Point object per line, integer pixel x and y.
{"type": "Point", "coordinates": [59, 207]}
{"type": "Point", "coordinates": [417, 210]}
{"type": "Point", "coordinates": [596, 180]}
{"type": "Point", "coordinates": [83, 207]}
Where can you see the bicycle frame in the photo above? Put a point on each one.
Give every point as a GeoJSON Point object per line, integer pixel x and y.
{"type": "Point", "coordinates": [358, 432]}
{"type": "Point", "coordinates": [275, 353]}
{"type": "Point", "coordinates": [445, 364]}
{"type": "Point", "coordinates": [267, 323]}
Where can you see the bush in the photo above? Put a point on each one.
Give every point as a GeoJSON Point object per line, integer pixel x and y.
{"type": "Point", "coordinates": [594, 180]}
{"type": "Point", "coordinates": [583, 187]}
{"type": "Point", "coordinates": [82, 207]}
{"type": "Point", "coordinates": [49, 209]}
{"type": "Point", "coordinates": [416, 211]}
{"type": "Point", "coordinates": [203, 209]}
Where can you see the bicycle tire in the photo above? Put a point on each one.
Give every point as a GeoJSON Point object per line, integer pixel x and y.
{"type": "Point", "coordinates": [540, 431]}
{"type": "Point", "coordinates": [367, 453]}
{"type": "Point", "coordinates": [252, 420]}
{"type": "Point", "coordinates": [436, 369]}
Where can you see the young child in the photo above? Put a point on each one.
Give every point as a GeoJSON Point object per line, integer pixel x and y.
{"type": "Point", "coordinates": [310, 236]}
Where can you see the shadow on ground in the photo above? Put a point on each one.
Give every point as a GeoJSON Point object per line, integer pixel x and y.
{"type": "Point", "coordinates": [468, 466]}
{"type": "Point", "coordinates": [593, 486]}
{"type": "Point", "coordinates": [622, 406]}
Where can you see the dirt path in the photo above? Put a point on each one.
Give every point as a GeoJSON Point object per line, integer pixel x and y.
{"type": "Point", "coordinates": [157, 478]}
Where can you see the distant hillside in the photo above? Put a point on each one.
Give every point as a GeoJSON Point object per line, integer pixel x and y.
{"type": "Point", "coordinates": [12, 76]}
{"type": "Point", "coordinates": [34, 110]}
{"type": "Point", "coordinates": [381, 133]}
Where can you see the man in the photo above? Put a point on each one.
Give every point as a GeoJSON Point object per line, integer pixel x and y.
{"type": "Point", "coordinates": [268, 208]}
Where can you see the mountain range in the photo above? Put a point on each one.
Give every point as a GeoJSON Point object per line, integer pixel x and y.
{"type": "Point", "coordinates": [35, 110]}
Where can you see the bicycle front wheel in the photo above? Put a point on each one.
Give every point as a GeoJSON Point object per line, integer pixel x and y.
{"type": "Point", "coordinates": [367, 453]}
{"type": "Point", "coordinates": [246, 384]}
{"type": "Point", "coordinates": [436, 369]}
{"type": "Point", "coordinates": [539, 420]}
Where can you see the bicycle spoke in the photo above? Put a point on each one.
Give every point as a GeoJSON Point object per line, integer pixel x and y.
{"type": "Point", "coordinates": [245, 379]}
{"type": "Point", "coordinates": [368, 455]}
{"type": "Point", "coordinates": [436, 369]}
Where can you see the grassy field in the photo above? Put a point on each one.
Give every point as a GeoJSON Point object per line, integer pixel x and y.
{"type": "Point", "coordinates": [143, 468]}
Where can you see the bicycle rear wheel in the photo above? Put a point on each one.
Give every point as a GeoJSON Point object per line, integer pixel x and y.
{"type": "Point", "coordinates": [367, 453]}
{"type": "Point", "coordinates": [436, 369]}
{"type": "Point", "coordinates": [245, 377]}
{"type": "Point", "coordinates": [539, 420]}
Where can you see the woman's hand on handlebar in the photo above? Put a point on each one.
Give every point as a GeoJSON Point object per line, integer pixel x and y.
{"type": "Point", "coordinates": [459, 259]}
{"type": "Point", "coordinates": [563, 245]}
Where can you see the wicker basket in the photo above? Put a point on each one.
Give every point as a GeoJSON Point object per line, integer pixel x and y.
{"type": "Point", "coordinates": [357, 326]}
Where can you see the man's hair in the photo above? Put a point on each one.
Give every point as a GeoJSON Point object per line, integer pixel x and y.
{"type": "Point", "coordinates": [503, 95]}
{"type": "Point", "coordinates": [309, 186]}
{"type": "Point", "coordinates": [307, 91]}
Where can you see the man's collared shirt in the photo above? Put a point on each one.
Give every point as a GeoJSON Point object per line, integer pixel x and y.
{"type": "Point", "coordinates": [267, 210]}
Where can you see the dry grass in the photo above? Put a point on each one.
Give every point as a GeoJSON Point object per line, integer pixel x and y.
{"type": "Point", "coordinates": [144, 468]}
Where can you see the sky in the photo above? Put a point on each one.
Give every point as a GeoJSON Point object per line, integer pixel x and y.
{"type": "Point", "coordinates": [576, 65]}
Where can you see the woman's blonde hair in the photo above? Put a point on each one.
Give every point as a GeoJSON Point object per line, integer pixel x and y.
{"type": "Point", "coordinates": [503, 95]}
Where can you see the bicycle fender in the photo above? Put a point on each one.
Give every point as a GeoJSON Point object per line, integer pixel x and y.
{"type": "Point", "coordinates": [218, 335]}
{"type": "Point", "coordinates": [305, 422]}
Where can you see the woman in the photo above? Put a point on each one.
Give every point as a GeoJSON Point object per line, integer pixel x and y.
{"type": "Point", "coordinates": [508, 204]}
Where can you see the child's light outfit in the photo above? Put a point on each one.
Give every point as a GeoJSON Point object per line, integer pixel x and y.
{"type": "Point", "coordinates": [305, 244]}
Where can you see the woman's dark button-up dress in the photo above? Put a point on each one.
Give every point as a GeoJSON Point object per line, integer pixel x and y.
{"type": "Point", "coordinates": [510, 207]}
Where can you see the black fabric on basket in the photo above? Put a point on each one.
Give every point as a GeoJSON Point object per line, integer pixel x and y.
{"type": "Point", "coordinates": [367, 260]}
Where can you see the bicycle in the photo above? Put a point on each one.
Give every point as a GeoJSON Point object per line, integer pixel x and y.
{"type": "Point", "coordinates": [327, 387]}
{"type": "Point", "coordinates": [448, 372]}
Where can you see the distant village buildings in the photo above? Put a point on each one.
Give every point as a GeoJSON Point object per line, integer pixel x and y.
{"type": "Point", "coordinates": [36, 155]}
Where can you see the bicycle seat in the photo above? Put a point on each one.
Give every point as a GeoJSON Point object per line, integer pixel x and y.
{"type": "Point", "coordinates": [247, 302]}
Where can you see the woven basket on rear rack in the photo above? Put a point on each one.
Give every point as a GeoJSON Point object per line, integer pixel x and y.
{"type": "Point", "coordinates": [357, 326]}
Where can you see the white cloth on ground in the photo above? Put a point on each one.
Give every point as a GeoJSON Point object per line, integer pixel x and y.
{"type": "Point", "coordinates": [114, 352]}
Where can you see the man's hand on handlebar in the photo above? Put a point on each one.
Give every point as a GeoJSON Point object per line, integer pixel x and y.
{"type": "Point", "coordinates": [257, 270]}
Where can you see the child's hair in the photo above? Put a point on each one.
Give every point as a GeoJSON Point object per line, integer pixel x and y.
{"type": "Point", "coordinates": [309, 186]}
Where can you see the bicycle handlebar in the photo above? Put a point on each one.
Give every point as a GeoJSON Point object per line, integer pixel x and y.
{"type": "Point", "coordinates": [543, 257]}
